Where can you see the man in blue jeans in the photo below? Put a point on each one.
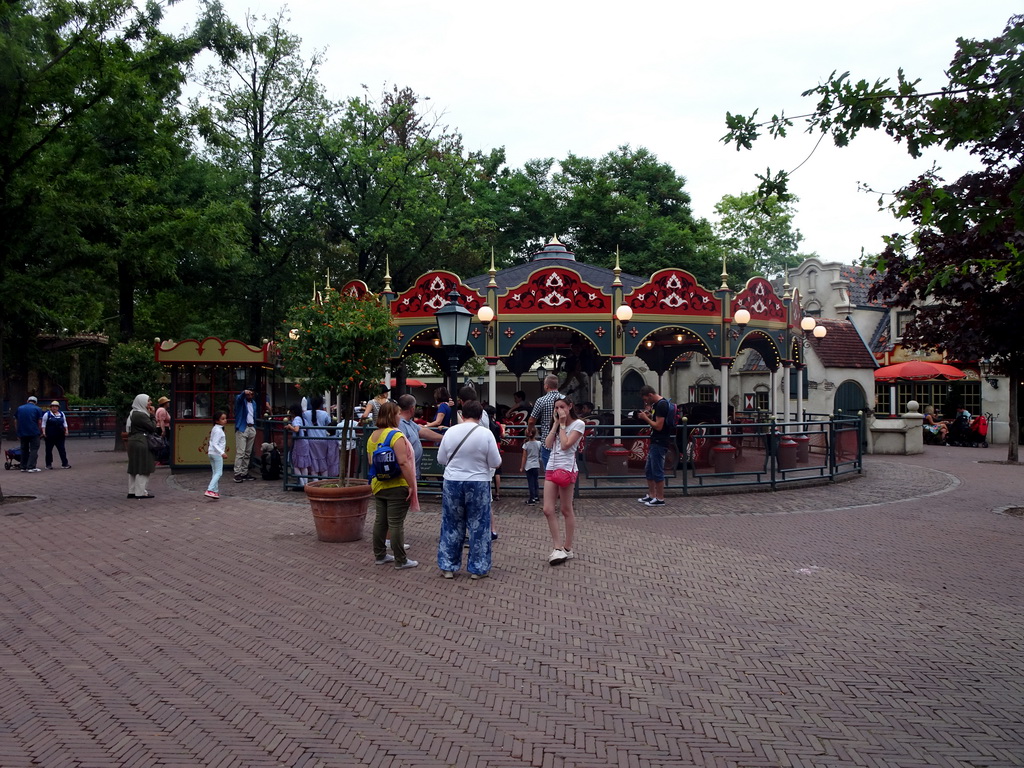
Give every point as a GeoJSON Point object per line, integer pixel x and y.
{"type": "Point", "coordinates": [657, 418]}
{"type": "Point", "coordinates": [29, 420]}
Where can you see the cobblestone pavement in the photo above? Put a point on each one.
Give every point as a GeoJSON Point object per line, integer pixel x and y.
{"type": "Point", "coordinates": [876, 622]}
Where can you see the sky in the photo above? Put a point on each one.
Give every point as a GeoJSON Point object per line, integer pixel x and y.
{"type": "Point", "coordinates": [546, 79]}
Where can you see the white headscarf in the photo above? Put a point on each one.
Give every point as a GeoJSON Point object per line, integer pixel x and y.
{"type": "Point", "coordinates": [141, 404]}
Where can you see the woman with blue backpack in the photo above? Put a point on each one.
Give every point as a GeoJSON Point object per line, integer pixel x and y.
{"type": "Point", "coordinates": [393, 480]}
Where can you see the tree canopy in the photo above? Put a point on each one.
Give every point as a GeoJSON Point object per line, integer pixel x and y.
{"type": "Point", "coordinates": [961, 266]}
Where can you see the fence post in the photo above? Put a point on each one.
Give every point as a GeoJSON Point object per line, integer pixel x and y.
{"type": "Point", "coordinates": [832, 448]}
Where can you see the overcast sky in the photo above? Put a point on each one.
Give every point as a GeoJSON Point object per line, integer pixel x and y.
{"type": "Point", "coordinates": [544, 79]}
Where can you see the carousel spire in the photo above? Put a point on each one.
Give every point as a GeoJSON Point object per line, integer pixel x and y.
{"type": "Point", "coordinates": [725, 276]}
{"type": "Point", "coordinates": [618, 269]}
{"type": "Point", "coordinates": [492, 271]}
{"type": "Point", "coordinates": [387, 273]}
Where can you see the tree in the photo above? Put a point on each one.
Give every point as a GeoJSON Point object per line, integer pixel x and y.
{"type": "Point", "coordinates": [760, 230]}
{"type": "Point", "coordinates": [337, 341]}
{"type": "Point", "coordinates": [132, 369]}
{"type": "Point", "coordinates": [626, 201]}
{"type": "Point", "coordinates": [390, 185]}
{"type": "Point", "coordinates": [80, 84]}
{"type": "Point", "coordinates": [257, 102]}
{"type": "Point", "coordinates": [961, 268]}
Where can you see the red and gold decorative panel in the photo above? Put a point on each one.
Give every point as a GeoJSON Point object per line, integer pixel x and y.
{"type": "Point", "coordinates": [430, 293]}
{"type": "Point", "coordinates": [761, 301]}
{"type": "Point", "coordinates": [211, 351]}
{"type": "Point", "coordinates": [555, 290]}
{"type": "Point", "coordinates": [674, 292]}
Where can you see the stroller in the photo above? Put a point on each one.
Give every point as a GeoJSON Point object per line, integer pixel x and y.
{"type": "Point", "coordinates": [971, 433]}
{"type": "Point", "coordinates": [12, 457]}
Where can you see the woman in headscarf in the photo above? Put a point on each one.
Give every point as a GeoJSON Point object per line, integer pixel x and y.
{"type": "Point", "coordinates": [140, 459]}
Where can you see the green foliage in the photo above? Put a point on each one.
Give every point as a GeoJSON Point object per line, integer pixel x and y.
{"type": "Point", "coordinates": [960, 267]}
{"type": "Point", "coordinates": [255, 105]}
{"type": "Point", "coordinates": [757, 232]}
{"type": "Point", "coordinates": [339, 341]}
{"type": "Point", "coordinates": [131, 370]}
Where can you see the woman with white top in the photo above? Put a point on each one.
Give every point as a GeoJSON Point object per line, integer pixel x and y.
{"type": "Point", "coordinates": [563, 437]}
{"type": "Point", "coordinates": [469, 455]}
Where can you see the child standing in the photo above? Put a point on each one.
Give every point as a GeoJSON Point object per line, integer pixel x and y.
{"type": "Point", "coordinates": [217, 453]}
{"type": "Point", "coordinates": [531, 464]}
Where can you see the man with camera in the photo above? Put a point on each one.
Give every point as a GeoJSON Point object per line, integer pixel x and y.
{"type": "Point", "coordinates": [657, 418]}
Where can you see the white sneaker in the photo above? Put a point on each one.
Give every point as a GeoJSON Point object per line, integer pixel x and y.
{"type": "Point", "coordinates": [557, 557]}
{"type": "Point", "coordinates": [385, 559]}
{"type": "Point", "coordinates": [645, 498]}
{"type": "Point", "coordinates": [407, 564]}
{"type": "Point", "coordinates": [569, 554]}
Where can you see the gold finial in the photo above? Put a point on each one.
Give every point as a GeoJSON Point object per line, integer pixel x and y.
{"type": "Point", "coordinates": [554, 240]}
{"type": "Point", "coordinates": [725, 276]}
{"type": "Point", "coordinates": [387, 273]}
{"type": "Point", "coordinates": [786, 295]}
{"type": "Point", "coordinates": [327, 285]}
{"type": "Point", "coordinates": [618, 269]}
{"type": "Point", "coordinates": [492, 271]}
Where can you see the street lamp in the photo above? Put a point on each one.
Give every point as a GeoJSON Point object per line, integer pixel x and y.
{"type": "Point", "coordinates": [623, 314]}
{"type": "Point", "coordinates": [486, 316]}
{"type": "Point", "coordinates": [542, 372]}
{"type": "Point", "coordinates": [453, 327]}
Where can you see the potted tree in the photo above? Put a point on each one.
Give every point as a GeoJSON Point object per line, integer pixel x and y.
{"type": "Point", "coordinates": [335, 342]}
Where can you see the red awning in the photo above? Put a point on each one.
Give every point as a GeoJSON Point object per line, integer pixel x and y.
{"type": "Point", "coordinates": [409, 383]}
{"type": "Point", "coordinates": [918, 370]}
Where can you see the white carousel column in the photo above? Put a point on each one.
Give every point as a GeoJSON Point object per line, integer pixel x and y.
{"type": "Point", "coordinates": [773, 380]}
{"type": "Point", "coordinates": [801, 378]}
{"type": "Point", "coordinates": [892, 399]}
{"type": "Point", "coordinates": [492, 382]}
{"type": "Point", "coordinates": [785, 394]}
{"type": "Point", "coordinates": [617, 398]}
{"type": "Point", "coordinates": [723, 394]}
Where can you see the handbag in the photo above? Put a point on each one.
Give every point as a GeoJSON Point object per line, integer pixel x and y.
{"type": "Point", "coordinates": [156, 443]}
{"type": "Point", "coordinates": [561, 477]}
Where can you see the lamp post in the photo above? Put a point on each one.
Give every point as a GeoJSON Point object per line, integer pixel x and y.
{"type": "Point", "coordinates": [453, 327]}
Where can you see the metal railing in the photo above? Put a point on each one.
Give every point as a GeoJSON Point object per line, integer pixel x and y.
{"type": "Point", "coordinates": [701, 457]}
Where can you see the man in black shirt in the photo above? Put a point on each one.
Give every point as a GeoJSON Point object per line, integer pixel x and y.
{"type": "Point", "coordinates": [657, 418]}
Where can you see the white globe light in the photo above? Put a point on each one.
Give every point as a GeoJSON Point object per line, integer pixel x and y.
{"type": "Point", "coordinates": [741, 317]}
{"type": "Point", "coordinates": [485, 314]}
{"type": "Point", "coordinates": [624, 313]}
{"type": "Point", "coordinates": [820, 331]}
{"type": "Point", "coordinates": [808, 323]}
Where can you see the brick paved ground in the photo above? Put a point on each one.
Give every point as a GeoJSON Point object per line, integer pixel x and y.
{"type": "Point", "coordinates": [877, 622]}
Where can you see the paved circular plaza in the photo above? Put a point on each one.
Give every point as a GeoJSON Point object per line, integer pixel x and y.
{"type": "Point", "coordinates": [873, 622]}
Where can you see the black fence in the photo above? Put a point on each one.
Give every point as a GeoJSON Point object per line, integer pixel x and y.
{"type": "Point", "coordinates": [612, 458]}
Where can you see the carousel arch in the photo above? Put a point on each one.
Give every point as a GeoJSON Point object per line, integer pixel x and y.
{"type": "Point", "coordinates": [594, 316]}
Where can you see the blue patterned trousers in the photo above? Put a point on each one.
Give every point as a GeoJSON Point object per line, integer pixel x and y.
{"type": "Point", "coordinates": [465, 508]}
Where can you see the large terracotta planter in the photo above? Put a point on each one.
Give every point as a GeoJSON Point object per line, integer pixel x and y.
{"type": "Point", "coordinates": [339, 513]}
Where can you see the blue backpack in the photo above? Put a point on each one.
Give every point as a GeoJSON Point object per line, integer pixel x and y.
{"type": "Point", "coordinates": [383, 461]}
{"type": "Point", "coordinates": [670, 419]}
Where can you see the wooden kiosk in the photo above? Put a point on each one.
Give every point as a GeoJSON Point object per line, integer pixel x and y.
{"type": "Point", "coordinates": [206, 376]}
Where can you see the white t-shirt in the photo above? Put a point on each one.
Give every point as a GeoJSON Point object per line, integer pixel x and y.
{"type": "Point", "coordinates": [562, 458]}
{"type": "Point", "coordinates": [218, 441]}
{"type": "Point", "coordinates": [475, 459]}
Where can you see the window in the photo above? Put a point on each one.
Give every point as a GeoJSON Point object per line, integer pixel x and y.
{"type": "Point", "coordinates": [761, 400]}
{"type": "Point", "coordinates": [706, 393]}
{"type": "Point", "coordinates": [902, 318]}
{"type": "Point", "coordinates": [202, 391]}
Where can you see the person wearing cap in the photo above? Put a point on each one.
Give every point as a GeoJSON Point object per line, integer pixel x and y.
{"type": "Point", "coordinates": [163, 423]}
{"type": "Point", "coordinates": [55, 430]}
{"type": "Point", "coordinates": [29, 418]}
